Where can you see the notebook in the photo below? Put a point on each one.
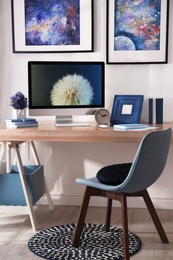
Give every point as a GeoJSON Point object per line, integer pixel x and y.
{"type": "Point", "coordinates": [130, 126]}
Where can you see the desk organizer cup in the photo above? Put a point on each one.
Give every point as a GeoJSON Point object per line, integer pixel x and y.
{"type": "Point", "coordinates": [11, 192]}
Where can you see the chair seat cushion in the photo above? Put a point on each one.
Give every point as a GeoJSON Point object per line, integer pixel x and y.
{"type": "Point", "coordinates": [113, 174]}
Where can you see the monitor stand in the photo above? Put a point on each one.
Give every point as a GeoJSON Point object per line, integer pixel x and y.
{"type": "Point", "coordinates": [68, 121]}
{"type": "Point", "coordinates": [63, 120]}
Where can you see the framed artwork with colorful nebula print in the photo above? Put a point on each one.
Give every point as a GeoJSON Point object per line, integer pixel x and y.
{"type": "Point", "coordinates": [137, 31]}
{"type": "Point", "coordinates": [52, 26]}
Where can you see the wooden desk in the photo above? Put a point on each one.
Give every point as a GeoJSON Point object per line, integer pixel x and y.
{"type": "Point", "coordinates": [12, 138]}
{"type": "Point", "coordinates": [48, 132]}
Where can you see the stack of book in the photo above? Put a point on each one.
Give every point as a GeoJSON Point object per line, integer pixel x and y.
{"type": "Point", "coordinates": [20, 123]}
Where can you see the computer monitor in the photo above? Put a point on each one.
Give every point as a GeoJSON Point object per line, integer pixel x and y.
{"type": "Point", "coordinates": [65, 88]}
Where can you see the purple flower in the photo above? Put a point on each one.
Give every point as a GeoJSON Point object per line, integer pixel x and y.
{"type": "Point", "coordinates": [18, 101]}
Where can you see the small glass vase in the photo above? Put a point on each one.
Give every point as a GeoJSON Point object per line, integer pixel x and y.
{"type": "Point", "coordinates": [19, 113]}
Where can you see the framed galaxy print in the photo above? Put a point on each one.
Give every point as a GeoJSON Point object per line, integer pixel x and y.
{"type": "Point", "coordinates": [137, 31]}
{"type": "Point", "coordinates": [52, 26]}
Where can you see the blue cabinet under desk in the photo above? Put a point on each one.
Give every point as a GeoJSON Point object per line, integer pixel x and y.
{"type": "Point", "coordinates": [11, 191]}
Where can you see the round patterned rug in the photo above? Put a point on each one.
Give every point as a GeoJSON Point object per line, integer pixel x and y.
{"type": "Point", "coordinates": [95, 243]}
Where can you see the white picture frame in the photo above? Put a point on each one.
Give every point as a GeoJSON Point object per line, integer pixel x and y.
{"type": "Point", "coordinates": [66, 29]}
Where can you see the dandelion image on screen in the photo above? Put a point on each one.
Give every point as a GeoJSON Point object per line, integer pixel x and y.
{"type": "Point", "coordinates": [72, 90]}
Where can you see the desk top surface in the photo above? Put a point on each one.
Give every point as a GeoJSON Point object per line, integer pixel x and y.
{"type": "Point", "coordinates": [46, 131]}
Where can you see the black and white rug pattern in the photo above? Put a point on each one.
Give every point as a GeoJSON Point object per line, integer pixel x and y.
{"type": "Point", "coordinates": [95, 243]}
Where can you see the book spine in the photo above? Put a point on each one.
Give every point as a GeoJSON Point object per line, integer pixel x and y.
{"type": "Point", "coordinates": [20, 120]}
{"type": "Point", "coordinates": [150, 111]}
{"type": "Point", "coordinates": [22, 123]}
{"type": "Point", "coordinates": [22, 126]}
{"type": "Point", "coordinates": [159, 110]}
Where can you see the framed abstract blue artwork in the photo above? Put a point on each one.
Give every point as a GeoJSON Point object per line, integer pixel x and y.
{"type": "Point", "coordinates": [126, 109]}
{"type": "Point", "coordinates": [52, 26]}
{"type": "Point", "coordinates": [137, 31]}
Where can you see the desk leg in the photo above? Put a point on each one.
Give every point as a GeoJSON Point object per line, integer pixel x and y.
{"type": "Point", "coordinates": [8, 157]}
{"type": "Point", "coordinates": [6, 154]}
{"type": "Point", "coordinates": [37, 161]}
{"type": "Point", "coordinates": [3, 149]}
{"type": "Point", "coordinates": [24, 186]}
{"type": "Point", "coordinates": [7, 146]}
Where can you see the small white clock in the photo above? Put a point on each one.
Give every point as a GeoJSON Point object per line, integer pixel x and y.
{"type": "Point", "coordinates": [102, 116]}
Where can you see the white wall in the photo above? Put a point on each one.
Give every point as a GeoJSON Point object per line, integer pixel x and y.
{"type": "Point", "coordinates": [64, 162]}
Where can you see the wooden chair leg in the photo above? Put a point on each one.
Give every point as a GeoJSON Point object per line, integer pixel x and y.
{"type": "Point", "coordinates": [155, 217]}
{"type": "Point", "coordinates": [123, 200]}
{"type": "Point", "coordinates": [83, 210]}
{"type": "Point", "coordinates": [108, 215]}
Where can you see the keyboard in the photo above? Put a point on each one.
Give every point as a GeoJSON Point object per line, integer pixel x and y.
{"type": "Point", "coordinates": [71, 124]}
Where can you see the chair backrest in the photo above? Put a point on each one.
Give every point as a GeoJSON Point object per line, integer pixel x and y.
{"type": "Point", "coordinates": [149, 161]}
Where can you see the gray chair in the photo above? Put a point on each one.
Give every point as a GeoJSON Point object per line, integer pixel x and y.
{"type": "Point", "coordinates": [147, 166]}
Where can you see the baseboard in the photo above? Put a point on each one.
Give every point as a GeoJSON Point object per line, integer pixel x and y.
{"type": "Point", "coordinates": [100, 202]}
{"type": "Point", "coordinates": [95, 202]}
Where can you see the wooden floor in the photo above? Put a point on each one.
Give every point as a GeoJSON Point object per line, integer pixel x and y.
{"type": "Point", "coordinates": [15, 230]}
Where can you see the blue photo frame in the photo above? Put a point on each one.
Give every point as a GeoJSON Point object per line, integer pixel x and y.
{"type": "Point", "coordinates": [126, 109]}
